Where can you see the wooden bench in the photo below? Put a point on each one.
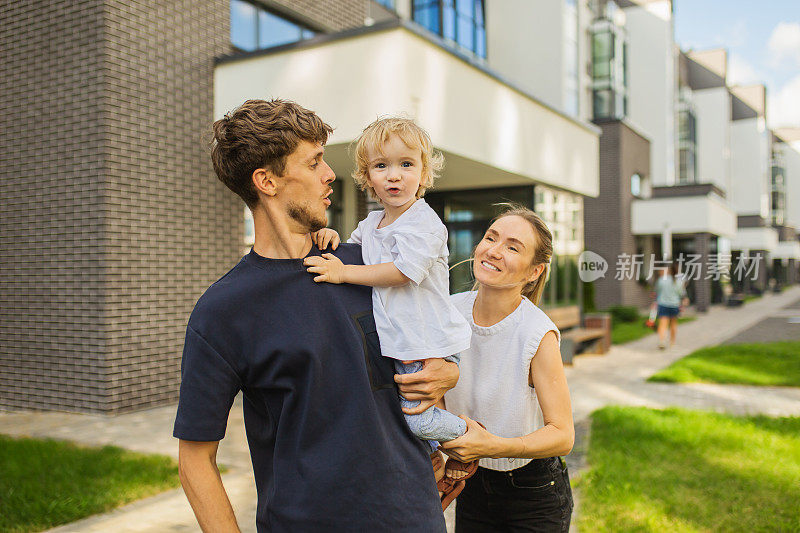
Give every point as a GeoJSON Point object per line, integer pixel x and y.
{"type": "Point", "coordinates": [594, 336]}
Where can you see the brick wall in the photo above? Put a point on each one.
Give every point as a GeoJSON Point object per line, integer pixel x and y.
{"type": "Point", "coordinates": [112, 222]}
{"type": "Point", "coordinates": [172, 228]}
{"type": "Point", "coordinates": [330, 15]}
{"type": "Point", "coordinates": [52, 333]}
{"type": "Point", "coordinates": [607, 218]}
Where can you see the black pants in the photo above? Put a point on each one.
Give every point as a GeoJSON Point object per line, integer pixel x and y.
{"type": "Point", "coordinates": [535, 497]}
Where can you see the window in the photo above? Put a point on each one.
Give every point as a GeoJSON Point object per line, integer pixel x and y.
{"type": "Point", "coordinates": [255, 28]}
{"type": "Point", "coordinates": [467, 214]}
{"type": "Point", "coordinates": [571, 81]}
{"type": "Point", "coordinates": [386, 3]}
{"type": "Point", "coordinates": [687, 166]}
{"type": "Point", "coordinates": [636, 185]}
{"type": "Point", "coordinates": [778, 193]}
{"type": "Point", "coordinates": [602, 55]}
{"type": "Point", "coordinates": [458, 21]}
{"type": "Point", "coordinates": [609, 70]}
{"type": "Point", "coordinates": [687, 144]}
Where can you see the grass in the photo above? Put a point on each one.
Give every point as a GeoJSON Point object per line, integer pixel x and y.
{"type": "Point", "coordinates": [772, 363]}
{"type": "Point", "coordinates": [677, 470]}
{"type": "Point", "coordinates": [622, 332]}
{"type": "Point", "coordinates": [44, 483]}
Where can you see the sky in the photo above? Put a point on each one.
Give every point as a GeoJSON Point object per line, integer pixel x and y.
{"type": "Point", "coordinates": [763, 42]}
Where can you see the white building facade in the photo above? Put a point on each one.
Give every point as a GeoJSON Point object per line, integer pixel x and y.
{"type": "Point", "coordinates": [510, 122]}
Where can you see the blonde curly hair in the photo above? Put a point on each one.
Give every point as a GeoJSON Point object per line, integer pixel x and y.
{"type": "Point", "coordinates": [376, 135]}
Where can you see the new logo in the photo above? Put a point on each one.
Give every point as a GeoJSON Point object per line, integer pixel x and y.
{"type": "Point", "coordinates": [591, 266]}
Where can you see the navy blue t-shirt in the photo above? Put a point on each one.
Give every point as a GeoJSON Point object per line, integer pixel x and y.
{"type": "Point", "coordinates": [330, 448]}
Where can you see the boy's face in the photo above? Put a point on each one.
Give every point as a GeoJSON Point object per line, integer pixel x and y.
{"type": "Point", "coordinates": [395, 174]}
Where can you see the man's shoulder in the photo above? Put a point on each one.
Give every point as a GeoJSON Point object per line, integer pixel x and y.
{"type": "Point", "coordinates": [349, 253]}
{"type": "Point", "coordinates": [224, 293]}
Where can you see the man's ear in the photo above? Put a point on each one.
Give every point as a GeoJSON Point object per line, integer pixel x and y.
{"type": "Point", "coordinates": [265, 181]}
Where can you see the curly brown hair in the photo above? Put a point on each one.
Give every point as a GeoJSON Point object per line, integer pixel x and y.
{"type": "Point", "coordinates": [260, 134]}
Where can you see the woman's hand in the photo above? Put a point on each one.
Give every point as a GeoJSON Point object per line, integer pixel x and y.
{"type": "Point", "coordinates": [474, 444]}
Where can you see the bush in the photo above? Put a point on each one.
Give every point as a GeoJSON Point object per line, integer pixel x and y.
{"type": "Point", "coordinates": [623, 313]}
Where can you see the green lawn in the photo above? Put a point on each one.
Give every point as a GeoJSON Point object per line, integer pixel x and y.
{"type": "Point", "coordinates": [677, 470]}
{"type": "Point", "coordinates": [622, 332]}
{"type": "Point", "coordinates": [44, 483]}
{"type": "Point", "coordinates": [773, 363]}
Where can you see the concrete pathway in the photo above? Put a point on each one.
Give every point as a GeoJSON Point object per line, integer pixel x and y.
{"type": "Point", "coordinates": [595, 381]}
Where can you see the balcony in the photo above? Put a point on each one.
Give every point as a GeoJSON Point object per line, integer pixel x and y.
{"type": "Point", "coordinates": [492, 133]}
{"type": "Point", "coordinates": [684, 209]}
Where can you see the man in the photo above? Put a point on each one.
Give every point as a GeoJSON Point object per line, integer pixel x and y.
{"type": "Point", "coordinates": [330, 448]}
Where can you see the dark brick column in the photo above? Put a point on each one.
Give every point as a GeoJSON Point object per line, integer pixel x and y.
{"type": "Point", "coordinates": [793, 274]}
{"type": "Point", "coordinates": [52, 320]}
{"type": "Point", "coordinates": [112, 222]}
{"type": "Point", "coordinates": [702, 286]}
{"type": "Point", "coordinates": [607, 218]}
{"type": "Point", "coordinates": [761, 281]}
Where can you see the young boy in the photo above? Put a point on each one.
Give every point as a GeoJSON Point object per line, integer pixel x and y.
{"type": "Point", "coordinates": [404, 248]}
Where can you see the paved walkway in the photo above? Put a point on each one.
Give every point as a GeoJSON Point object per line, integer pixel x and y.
{"type": "Point", "coordinates": [615, 378]}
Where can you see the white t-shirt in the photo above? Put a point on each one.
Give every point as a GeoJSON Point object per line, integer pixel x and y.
{"type": "Point", "coordinates": [416, 320]}
{"type": "Point", "coordinates": [493, 386]}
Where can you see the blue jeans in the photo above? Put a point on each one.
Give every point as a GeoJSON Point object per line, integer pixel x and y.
{"type": "Point", "coordinates": [668, 311]}
{"type": "Point", "coordinates": [433, 424]}
{"type": "Point", "coordinates": [535, 497]}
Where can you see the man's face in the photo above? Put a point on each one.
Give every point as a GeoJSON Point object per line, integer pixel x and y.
{"type": "Point", "coordinates": [307, 184]}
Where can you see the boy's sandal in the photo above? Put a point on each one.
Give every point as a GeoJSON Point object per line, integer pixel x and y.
{"type": "Point", "coordinates": [470, 468]}
{"type": "Point", "coordinates": [450, 489]}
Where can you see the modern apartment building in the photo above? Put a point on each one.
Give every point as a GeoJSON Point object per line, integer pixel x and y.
{"type": "Point", "coordinates": [113, 222]}
{"type": "Point", "coordinates": [784, 203]}
{"type": "Point", "coordinates": [706, 194]}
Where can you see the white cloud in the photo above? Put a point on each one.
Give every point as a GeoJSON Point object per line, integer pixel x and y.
{"type": "Point", "coordinates": [784, 44]}
{"type": "Point", "coordinates": [784, 105]}
{"type": "Point", "coordinates": [741, 72]}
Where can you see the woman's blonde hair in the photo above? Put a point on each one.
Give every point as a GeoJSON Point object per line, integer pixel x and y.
{"type": "Point", "coordinates": [543, 248]}
{"type": "Point", "coordinates": [376, 135]}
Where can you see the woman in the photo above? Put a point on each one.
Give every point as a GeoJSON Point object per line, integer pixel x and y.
{"type": "Point", "coordinates": [512, 382]}
{"type": "Point", "coordinates": [670, 297]}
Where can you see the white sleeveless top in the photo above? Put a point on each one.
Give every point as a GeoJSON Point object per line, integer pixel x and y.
{"type": "Point", "coordinates": [493, 386]}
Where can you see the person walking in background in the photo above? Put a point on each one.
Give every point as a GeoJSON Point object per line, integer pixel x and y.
{"type": "Point", "coordinates": [670, 299]}
{"type": "Point", "coordinates": [512, 381]}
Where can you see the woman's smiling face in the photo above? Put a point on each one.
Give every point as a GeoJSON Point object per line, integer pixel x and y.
{"type": "Point", "coordinates": [504, 257]}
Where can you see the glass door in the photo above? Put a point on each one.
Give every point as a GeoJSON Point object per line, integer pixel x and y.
{"type": "Point", "coordinates": [467, 215]}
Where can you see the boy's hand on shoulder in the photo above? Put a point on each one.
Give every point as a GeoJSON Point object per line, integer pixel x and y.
{"type": "Point", "coordinates": [328, 268]}
{"type": "Point", "coordinates": [325, 237]}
